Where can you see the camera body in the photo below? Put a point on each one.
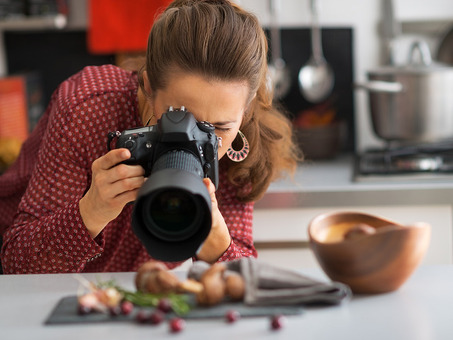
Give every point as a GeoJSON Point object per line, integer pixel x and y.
{"type": "Point", "coordinates": [176, 130]}
{"type": "Point", "coordinates": [172, 212]}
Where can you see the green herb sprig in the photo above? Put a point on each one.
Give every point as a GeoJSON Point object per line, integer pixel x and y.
{"type": "Point", "coordinates": [179, 302]}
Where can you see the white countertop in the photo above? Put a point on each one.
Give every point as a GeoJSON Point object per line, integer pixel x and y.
{"type": "Point", "coordinates": [331, 183]}
{"type": "Point", "coordinates": [420, 309]}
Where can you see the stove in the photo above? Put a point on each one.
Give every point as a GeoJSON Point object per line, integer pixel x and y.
{"type": "Point", "coordinates": [401, 162]}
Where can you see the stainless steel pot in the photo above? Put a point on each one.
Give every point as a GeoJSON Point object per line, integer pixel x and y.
{"type": "Point", "coordinates": [414, 102]}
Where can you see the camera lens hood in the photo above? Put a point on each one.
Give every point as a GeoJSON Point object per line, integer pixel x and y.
{"type": "Point", "coordinates": [172, 214]}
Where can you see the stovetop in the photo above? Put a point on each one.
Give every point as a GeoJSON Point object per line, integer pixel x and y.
{"type": "Point", "coordinates": [433, 160]}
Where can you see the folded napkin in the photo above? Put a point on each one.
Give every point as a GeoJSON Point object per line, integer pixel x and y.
{"type": "Point", "coordinates": [269, 285]}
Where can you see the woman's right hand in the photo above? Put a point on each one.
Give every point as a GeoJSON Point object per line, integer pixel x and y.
{"type": "Point", "coordinates": [113, 185]}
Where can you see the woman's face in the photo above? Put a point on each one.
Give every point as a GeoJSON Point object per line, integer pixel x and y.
{"type": "Point", "coordinates": [221, 103]}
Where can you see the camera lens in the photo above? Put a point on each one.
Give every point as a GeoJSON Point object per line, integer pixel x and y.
{"type": "Point", "coordinates": [173, 209]}
{"type": "Point", "coordinates": [172, 214]}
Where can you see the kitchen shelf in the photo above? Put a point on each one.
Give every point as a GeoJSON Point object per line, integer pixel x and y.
{"type": "Point", "coordinates": [58, 21]}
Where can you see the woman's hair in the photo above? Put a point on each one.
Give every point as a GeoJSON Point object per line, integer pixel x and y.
{"type": "Point", "coordinates": [220, 41]}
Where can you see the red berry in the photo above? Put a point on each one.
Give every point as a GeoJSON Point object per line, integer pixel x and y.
{"type": "Point", "coordinates": [278, 321]}
{"type": "Point", "coordinates": [232, 316]}
{"type": "Point", "coordinates": [156, 317]}
{"type": "Point", "coordinates": [127, 307]}
{"type": "Point", "coordinates": [142, 316]}
{"type": "Point", "coordinates": [177, 325]}
{"type": "Point", "coordinates": [164, 305]}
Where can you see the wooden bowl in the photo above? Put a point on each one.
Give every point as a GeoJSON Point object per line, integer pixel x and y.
{"type": "Point", "coordinates": [372, 263]}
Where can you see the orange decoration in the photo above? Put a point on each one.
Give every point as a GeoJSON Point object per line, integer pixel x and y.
{"type": "Point", "coordinates": [121, 25]}
{"type": "Point", "coordinates": [13, 109]}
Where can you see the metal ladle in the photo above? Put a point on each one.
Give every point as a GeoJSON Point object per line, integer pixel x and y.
{"type": "Point", "coordinates": [279, 75]}
{"type": "Point", "coordinates": [316, 78]}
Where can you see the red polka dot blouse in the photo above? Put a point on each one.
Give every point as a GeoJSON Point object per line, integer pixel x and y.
{"type": "Point", "coordinates": [43, 231]}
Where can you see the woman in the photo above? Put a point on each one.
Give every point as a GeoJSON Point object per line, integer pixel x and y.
{"type": "Point", "coordinates": [209, 56]}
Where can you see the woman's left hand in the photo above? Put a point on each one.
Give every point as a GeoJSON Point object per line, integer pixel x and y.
{"type": "Point", "coordinates": [219, 238]}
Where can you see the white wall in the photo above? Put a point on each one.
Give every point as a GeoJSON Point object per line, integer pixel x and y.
{"type": "Point", "coordinates": [364, 17]}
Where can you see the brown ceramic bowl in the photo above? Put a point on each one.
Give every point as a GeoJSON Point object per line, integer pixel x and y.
{"type": "Point", "coordinates": [376, 262]}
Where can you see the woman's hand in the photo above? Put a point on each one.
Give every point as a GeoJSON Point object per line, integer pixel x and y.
{"type": "Point", "coordinates": [219, 238]}
{"type": "Point", "coordinates": [113, 185]}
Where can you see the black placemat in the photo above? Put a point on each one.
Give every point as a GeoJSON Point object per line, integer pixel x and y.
{"type": "Point", "coordinates": [66, 312]}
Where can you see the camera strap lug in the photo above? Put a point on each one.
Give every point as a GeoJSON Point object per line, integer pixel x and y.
{"type": "Point", "coordinates": [110, 137]}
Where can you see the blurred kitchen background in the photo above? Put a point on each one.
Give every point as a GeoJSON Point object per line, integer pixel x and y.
{"type": "Point", "coordinates": [430, 21]}
{"type": "Point", "coordinates": [42, 42]}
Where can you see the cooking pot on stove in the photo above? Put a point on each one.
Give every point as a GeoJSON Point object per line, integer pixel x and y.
{"type": "Point", "coordinates": [412, 102]}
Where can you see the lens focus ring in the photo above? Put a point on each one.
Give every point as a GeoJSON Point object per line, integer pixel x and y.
{"type": "Point", "coordinates": [179, 159]}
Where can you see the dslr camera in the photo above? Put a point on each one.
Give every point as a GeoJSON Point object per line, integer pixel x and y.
{"type": "Point", "coordinates": [172, 213]}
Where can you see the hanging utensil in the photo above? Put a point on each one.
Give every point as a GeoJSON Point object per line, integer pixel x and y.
{"type": "Point", "coordinates": [280, 80]}
{"type": "Point", "coordinates": [316, 78]}
{"type": "Point", "coordinates": [390, 30]}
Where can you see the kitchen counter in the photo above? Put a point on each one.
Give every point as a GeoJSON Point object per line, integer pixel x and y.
{"type": "Point", "coordinates": [418, 310]}
{"type": "Point", "coordinates": [331, 183]}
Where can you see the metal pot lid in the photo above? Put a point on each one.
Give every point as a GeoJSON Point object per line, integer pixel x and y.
{"type": "Point", "coordinates": [419, 63]}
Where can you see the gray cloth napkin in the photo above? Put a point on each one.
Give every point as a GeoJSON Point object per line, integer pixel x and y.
{"type": "Point", "coordinates": [269, 285]}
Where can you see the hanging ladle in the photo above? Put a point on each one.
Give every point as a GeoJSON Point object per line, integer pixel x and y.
{"type": "Point", "coordinates": [316, 78]}
{"type": "Point", "coordinates": [280, 79]}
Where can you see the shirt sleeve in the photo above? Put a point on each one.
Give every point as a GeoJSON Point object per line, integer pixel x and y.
{"type": "Point", "coordinates": [48, 234]}
{"type": "Point", "coordinates": [239, 219]}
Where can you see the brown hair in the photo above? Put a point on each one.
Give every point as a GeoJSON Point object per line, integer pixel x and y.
{"type": "Point", "coordinates": [218, 40]}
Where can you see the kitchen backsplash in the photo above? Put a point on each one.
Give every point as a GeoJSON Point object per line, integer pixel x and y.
{"type": "Point", "coordinates": [59, 54]}
{"type": "Point", "coordinates": [53, 55]}
{"type": "Point", "coordinates": [338, 51]}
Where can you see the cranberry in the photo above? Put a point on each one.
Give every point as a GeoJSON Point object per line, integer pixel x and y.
{"type": "Point", "coordinates": [177, 325]}
{"type": "Point", "coordinates": [156, 317]}
{"type": "Point", "coordinates": [232, 316]}
{"type": "Point", "coordinates": [127, 307]}
{"type": "Point", "coordinates": [278, 321]}
{"type": "Point", "coordinates": [142, 316]}
{"type": "Point", "coordinates": [164, 305]}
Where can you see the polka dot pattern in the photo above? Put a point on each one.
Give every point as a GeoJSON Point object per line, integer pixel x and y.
{"type": "Point", "coordinates": [53, 171]}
